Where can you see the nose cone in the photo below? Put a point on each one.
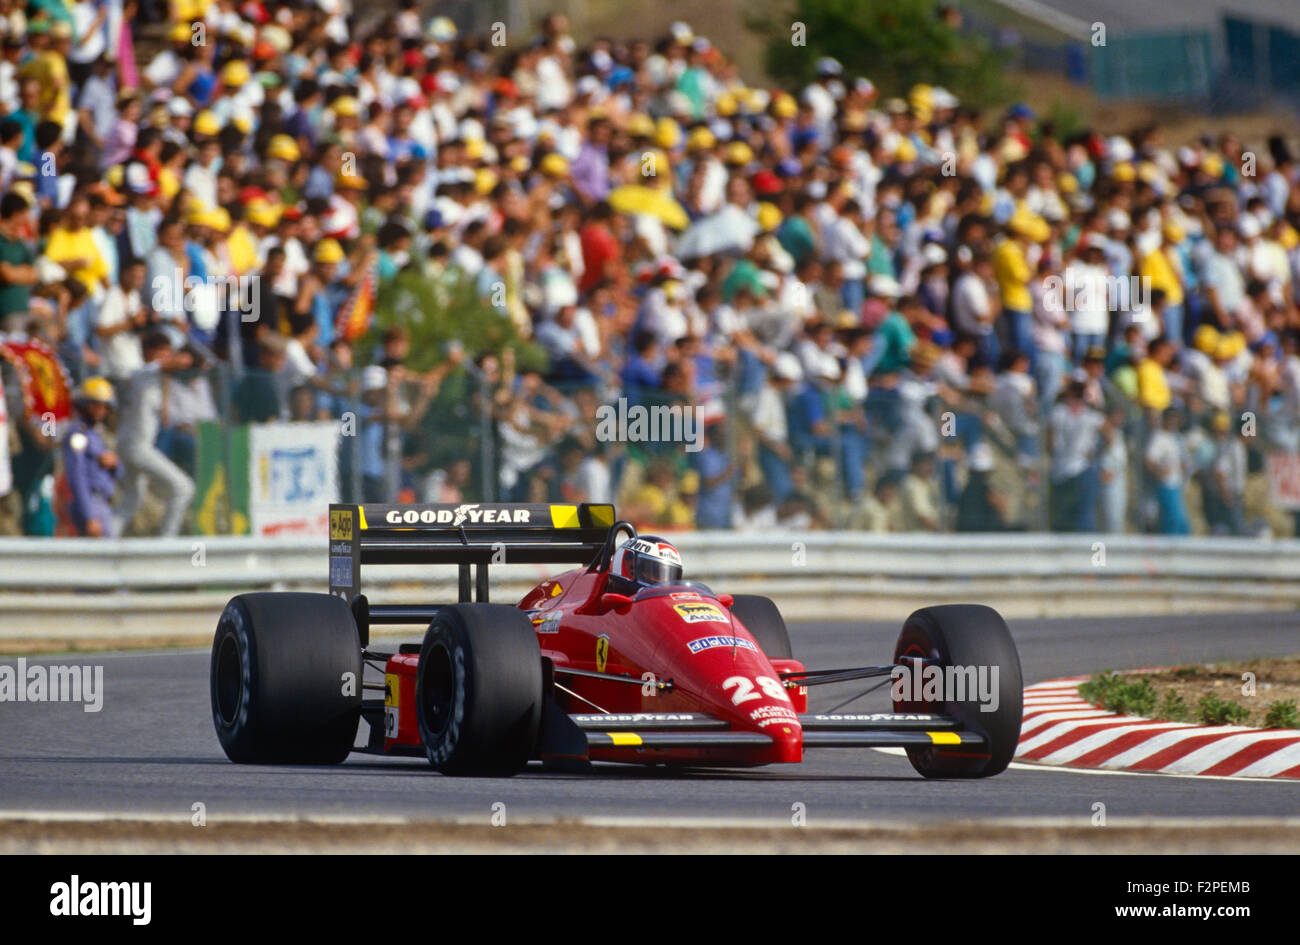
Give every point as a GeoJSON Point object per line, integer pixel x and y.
{"type": "Point", "coordinates": [787, 737]}
{"type": "Point", "coordinates": [748, 692]}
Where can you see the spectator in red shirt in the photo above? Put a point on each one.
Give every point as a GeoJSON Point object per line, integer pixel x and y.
{"type": "Point", "coordinates": [600, 249]}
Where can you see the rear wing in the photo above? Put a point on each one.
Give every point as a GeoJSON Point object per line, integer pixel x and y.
{"type": "Point", "coordinates": [471, 533]}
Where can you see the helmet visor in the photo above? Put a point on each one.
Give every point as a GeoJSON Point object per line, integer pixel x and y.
{"type": "Point", "coordinates": [652, 570]}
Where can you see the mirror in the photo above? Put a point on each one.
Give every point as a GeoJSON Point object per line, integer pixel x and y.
{"type": "Point", "coordinates": [611, 601]}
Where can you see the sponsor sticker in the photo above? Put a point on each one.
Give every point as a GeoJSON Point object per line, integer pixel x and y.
{"type": "Point", "coordinates": [341, 525]}
{"type": "Point", "coordinates": [547, 623]}
{"type": "Point", "coordinates": [340, 572]}
{"type": "Point", "coordinates": [468, 513]}
{"type": "Point", "coordinates": [602, 652]}
{"type": "Point", "coordinates": [701, 613]}
{"type": "Point", "coordinates": [392, 691]}
{"type": "Point", "coordinates": [774, 713]}
{"type": "Point", "coordinates": [709, 643]}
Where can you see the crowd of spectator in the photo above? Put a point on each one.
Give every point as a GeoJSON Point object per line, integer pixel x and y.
{"type": "Point", "coordinates": [892, 314]}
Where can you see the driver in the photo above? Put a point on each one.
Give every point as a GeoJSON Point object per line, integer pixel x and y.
{"type": "Point", "coordinates": [644, 561]}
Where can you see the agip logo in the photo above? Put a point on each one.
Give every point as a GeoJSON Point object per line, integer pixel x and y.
{"type": "Point", "coordinates": [700, 613]}
{"type": "Point", "coordinates": [341, 525]}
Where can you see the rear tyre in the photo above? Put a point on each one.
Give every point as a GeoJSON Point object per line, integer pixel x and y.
{"type": "Point", "coordinates": [966, 635]}
{"type": "Point", "coordinates": [279, 680]}
{"type": "Point", "coordinates": [478, 690]}
{"type": "Point", "coordinates": [764, 623]}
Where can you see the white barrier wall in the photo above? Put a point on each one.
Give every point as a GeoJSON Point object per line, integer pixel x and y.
{"type": "Point", "coordinates": [77, 588]}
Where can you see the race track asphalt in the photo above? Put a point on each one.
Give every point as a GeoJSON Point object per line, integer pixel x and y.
{"type": "Point", "coordinates": [152, 751]}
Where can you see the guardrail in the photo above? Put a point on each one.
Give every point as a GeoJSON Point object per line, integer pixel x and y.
{"type": "Point", "coordinates": [174, 588]}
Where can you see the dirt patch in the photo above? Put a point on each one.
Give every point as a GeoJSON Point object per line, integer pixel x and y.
{"type": "Point", "coordinates": [1216, 693]}
{"type": "Point", "coordinates": [965, 837]}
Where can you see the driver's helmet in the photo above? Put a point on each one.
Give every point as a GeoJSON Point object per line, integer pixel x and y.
{"type": "Point", "coordinates": [644, 561]}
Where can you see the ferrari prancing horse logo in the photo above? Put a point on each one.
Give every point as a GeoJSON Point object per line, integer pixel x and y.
{"type": "Point", "coordinates": [602, 652]}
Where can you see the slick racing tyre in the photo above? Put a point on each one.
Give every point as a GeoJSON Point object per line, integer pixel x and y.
{"type": "Point", "coordinates": [286, 679]}
{"type": "Point", "coordinates": [478, 690]}
{"type": "Point", "coordinates": [967, 636]}
{"type": "Point", "coordinates": [764, 623]}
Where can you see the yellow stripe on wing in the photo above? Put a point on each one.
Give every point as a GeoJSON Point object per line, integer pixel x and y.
{"type": "Point", "coordinates": [564, 516]}
{"type": "Point", "coordinates": [625, 739]}
{"type": "Point", "coordinates": [944, 738]}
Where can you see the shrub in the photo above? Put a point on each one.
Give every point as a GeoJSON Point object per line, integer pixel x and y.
{"type": "Point", "coordinates": [1282, 715]}
{"type": "Point", "coordinates": [1174, 708]}
{"type": "Point", "coordinates": [1215, 711]}
{"type": "Point", "coordinates": [1123, 694]}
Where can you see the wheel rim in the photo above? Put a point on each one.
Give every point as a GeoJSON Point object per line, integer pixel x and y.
{"type": "Point", "coordinates": [437, 693]}
{"type": "Point", "coordinates": [230, 680]}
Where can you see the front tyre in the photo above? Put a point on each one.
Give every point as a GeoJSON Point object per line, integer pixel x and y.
{"type": "Point", "coordinates": [764, 622]}
{"type": "Point", "coordinates": [478, 690]}
{"type": "Point", "coordinates": [967, 636]}
{"type": "Point", "coordinates": [285, 679]}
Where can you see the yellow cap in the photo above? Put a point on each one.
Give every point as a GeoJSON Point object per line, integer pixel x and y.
{"type": "Point", "coordinates": [1067, 183]}
{"type": "Point", "coordinates": [346, 106]}
{"type": "Point", "coordinates": [1212, 164]}
{"type": "Point", "coordinates": [1173, 233]}
{"type": "Point", "coordinates": [262, 213]}
{"type": "Point", "coordinates": [219, 219]}
{"type": "Point", "coordinates": [484, 180]}
{"type": "Point", "coordinates": [1030, 225]}
{"type": "Point", "coordinates": [555, 165]}
{"type": "Point", "coordinates": [668, 134]}
{"type": "Point", "coordinates": [283, 148]}
{"type": "Point", "coordinates": [351, 181]}
{"type": "Point", "coordinates": [1206, 339]}
{"type": "Point", "coordinates": [236, 73]}
{"type": "Point", "coordinates": [328, 251]}
{"type": "Point", "coordinates": [640, 125]}
{"type": "Point", "coordinates": [1124, 172]}
{"type": "Point", "coordinates": [206, 123]}
{"type": "Point", "coordinates": [96, 389]}
{"type": "Point", "coordinates": [726, 105]}
{"type": "Point", "coordinates": [180, 33]}
{"type": "Point", "coordinates": [784, 105]}
{"type": "Point", "coordinates": [905, 153]}
{"type": "Point", "coordinates": [474, 148]}
{"type": "Point", "coordinates": [738, 153]}
{"type": "Point", "coordinates": [769, 217]}
{"type": "Point", "coordinates": [701, 139]}
{"type": "Point", "coordinates": [243, 121]}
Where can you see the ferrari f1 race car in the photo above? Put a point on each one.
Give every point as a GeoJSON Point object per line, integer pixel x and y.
{"type": "Point", "coordinates": [620, 659]}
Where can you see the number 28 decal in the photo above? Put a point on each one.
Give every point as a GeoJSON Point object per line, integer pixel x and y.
{"type": "Point", "coordinates": [745, 688]}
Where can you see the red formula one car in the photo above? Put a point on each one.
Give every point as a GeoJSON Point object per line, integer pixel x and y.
{"type": "Point", "coordinates": [620, 659]}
